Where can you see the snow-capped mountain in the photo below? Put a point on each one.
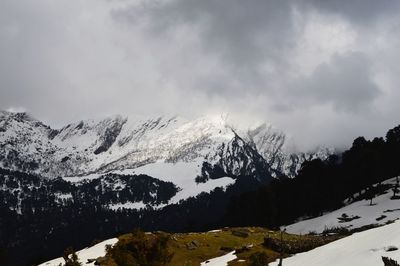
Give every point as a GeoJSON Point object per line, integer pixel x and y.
{"type": "Point", "coordinates": [195, 155]}
{"type": "Point", "coordinates": [119, 143]}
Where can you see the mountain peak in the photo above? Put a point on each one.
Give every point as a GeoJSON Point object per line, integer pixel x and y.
{"type": "Point", "coordinates": [19, 116]}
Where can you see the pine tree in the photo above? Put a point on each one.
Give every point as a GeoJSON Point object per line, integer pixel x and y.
{"type": "Point", "coordinates": [395, 189]}
{"type": "Point", "coordinates": [70, 257]}
{"type": "Point", "coordinates": [389, 262]}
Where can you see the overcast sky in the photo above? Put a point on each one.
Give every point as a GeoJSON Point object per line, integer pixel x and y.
{"type": "Point", "coordinates": [324, 71]}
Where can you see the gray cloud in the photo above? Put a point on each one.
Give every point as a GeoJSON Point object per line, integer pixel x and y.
{"type": "Point", "coordinates": [243, 36]}
{"type": "Point", "coordinates": [363, 12]}
{"type": "Point", "coordinates": [346, 83]}
{"type": "Point", "coordinates": [329, 65]}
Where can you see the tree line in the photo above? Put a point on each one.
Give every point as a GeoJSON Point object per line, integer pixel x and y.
{"type": "Point", "coordinates": [321, 185]}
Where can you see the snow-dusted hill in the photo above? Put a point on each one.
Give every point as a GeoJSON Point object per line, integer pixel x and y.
{"type": "Point", "coordinates": [365, 248]}
{"type": "Point", "coordinates": [354, 215]}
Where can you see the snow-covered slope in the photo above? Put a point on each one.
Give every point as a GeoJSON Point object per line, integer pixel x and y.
{"type": "Point", "coordinates": [178, 173]}
{"type": "Point", "coordinates": [90, 253]}
{"type": "Point", "coordinates": [354, 215]}
{"type": "Point", "coordinates": [365, 248]}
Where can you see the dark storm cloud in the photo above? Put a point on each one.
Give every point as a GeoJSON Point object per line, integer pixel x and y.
{"type": "Point", "coordinates": [363, 12]}
{"type": "Point", "coordinates": [328, 64]}
{"type": "Point", "coordinates": [243, 35]}
{"type": "Point", "coordinates": [346, 83]}
{"type": "Point", "coordinates": [248, 36]}
{"type": "Point", "coordinates": [238, 30]}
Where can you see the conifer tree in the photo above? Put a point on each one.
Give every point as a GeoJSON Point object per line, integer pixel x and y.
{"type": "Point", "coordinates": [395, 189]}
{"type": "Point", "coordinates": [70, 257]}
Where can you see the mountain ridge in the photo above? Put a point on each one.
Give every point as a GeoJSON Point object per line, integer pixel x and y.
{"type": "Point", "coordinates": [118, 143]}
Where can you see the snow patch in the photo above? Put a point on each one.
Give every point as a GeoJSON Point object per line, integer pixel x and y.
{"type": "Point", "coordinates": [220, 261]}
{"type": "Point", "coordinates": [94, 252]}
{"type": "Point", "coordinates": [63, 196]}
{"type": "Point", "coordinates": [77, 179]}
{"type": "Point", "coordinates": [128, 205]}
{"type": "Point", "coordinates": [215, 231]}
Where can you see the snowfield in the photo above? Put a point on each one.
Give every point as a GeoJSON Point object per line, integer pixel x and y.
{"type": "Point", "coordinates": [182, 174]}
{"type": "Point", "coordinates": [94, 252]}
{"type": "Point", "coordinates": [365, 248]}
{"type": "Point", "coordinates": [383, 210]}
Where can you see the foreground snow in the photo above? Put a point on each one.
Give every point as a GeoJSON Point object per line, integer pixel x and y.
{"type": "Point", "coordinates": [382, 206]}
{"type": "Point", "coordinates": [220, 261]}
{"type": "Point", "coordinates": [93, 252]}
{"type": "Point", "coordinates": [364, 248]}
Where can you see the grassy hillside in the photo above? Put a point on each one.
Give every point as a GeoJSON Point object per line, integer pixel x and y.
{"type": "Point", "coordinates": [250, 243]}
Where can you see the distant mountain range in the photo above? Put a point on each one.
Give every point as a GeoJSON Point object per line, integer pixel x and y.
{"type": "Point", "coordinates": [207, 147]}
